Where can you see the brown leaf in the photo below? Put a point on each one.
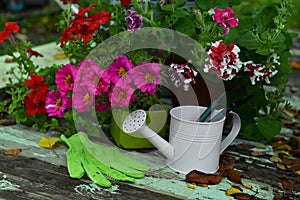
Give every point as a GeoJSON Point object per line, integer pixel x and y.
{"type": "Point", "coordinates": [260, 145]}
{"type": "Point", "coordinates": [242, 196]}
{"type": "Point", "coordinates": [296, 132]}
{"type": "Point", "coordinates": [203, 178]}
{"type": "Point", "coordinates": [286, 184]}
{"type": "Point", "coordinates": [224, 168]}
{"type": "Point", "coordinates": [295, 152]}
{"type": "Point", "coordinates": [292, 164]}
{"type": "Point", "coordinates": [234, 176]}
{"type": "Point", "coordinates": [294, 142]}
{"type": "Point", "coordinates": [12, 151]}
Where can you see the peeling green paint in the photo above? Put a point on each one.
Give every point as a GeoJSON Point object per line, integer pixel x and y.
{"type": "Point", "coordinates": [93, 188]}
{"type": "Point", "coordinates": [20, 140]}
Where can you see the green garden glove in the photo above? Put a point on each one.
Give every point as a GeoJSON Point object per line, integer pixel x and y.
{"type": "Point", "coordinates": [98, 160]}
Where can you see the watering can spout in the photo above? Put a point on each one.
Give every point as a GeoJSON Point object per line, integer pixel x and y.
{"type": "Point", "coordinates": [136, 122]}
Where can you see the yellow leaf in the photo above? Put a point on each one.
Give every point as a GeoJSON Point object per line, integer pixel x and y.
{"type": "Point", "coordinates": [60, 56]}
{"type": "Point", "coordinates": [232, 191]}
{"type": "Point", "coordinates": [260, 145]}
{"type": "Point", "coordinates": [48, 143]}
{"type": "Point", "coordinates": [13, 151]}
{"type": "Point", "coordinates": [247, 186]}
{"type": "Point", "coordinates": [298, 172]}
{"type": "Point", "coordinates": [258, 153]}
{"type": "Point", "coordinates": [191, 186]}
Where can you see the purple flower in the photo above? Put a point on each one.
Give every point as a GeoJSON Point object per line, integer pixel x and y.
{"type": "Point", "coordinates": [146, 77]}
{"type": "Point", "coordinates": [65, 76]}
{"type": "Point", "coordinates": [56, 103]}
{"type": "Point", "coordinates": [226, 18]}
{"type": "Point", "coordinates": [134, 21]}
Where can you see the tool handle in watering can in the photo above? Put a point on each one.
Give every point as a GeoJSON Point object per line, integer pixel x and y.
{"type": "Point", "coordinates": [236, 125]}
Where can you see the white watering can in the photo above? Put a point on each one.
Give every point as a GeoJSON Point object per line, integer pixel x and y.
{"type": "Point", "coordinates": [192, 145]}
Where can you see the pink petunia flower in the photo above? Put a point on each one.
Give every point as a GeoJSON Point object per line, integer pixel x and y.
{"type": "Point", "coordinates": [119, 69]}
{"type": "Point", "coordinates": [56, 103]}
{"type": "Point", "coordinates": [121, 96]}
{"type": "Point", "coordinates": [83, 96]}
{"type": "Point", "coordinates": [226, 18]}
{"type": "Point", "coordinates": [93, 74]}
{"type": "Point", "coordinates": [65, 76]}
{"type": "Point", "coordinates": [223, 60]}
{"type": "Point", "coordinates": [146, 76]}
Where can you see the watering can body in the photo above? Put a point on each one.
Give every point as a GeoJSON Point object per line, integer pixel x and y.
{"type": "Point", "coordinates": [192, 145]}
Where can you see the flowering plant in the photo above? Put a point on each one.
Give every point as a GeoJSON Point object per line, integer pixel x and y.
{"type": "Point", "coordinates": [246, 45]}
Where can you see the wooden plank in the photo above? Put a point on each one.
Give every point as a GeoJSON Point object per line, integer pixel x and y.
{"type": "Point", "coordinates": [31, 178]}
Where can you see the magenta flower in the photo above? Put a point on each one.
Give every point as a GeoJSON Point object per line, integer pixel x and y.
{"type": "Point", "coordinates": [121, 96]}
{"type": "Point", "coordinates": [134, 21]}
{"type": "Point", "coordinates": [223, 60]}
{"type": "Point", "coordinates": [226, 18]}
{"type": "Point", "coordinates": [119, 69]}
{"type": "Point", "coordinates": [95, 75]}
{"type": "Point", "coordinates": [56, 103]}
{"type": "Point", "coordinates": [65, 76]}
{"type": "Point", "coordinates": [102, 105]}
{"type": "Point", "coordinates": [146, 76]}
{"type": "Point", "coordinates": [83, 96]}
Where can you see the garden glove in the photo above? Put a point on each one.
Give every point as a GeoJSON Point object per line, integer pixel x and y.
{"type": "Point", "coordinates": [99, 160]}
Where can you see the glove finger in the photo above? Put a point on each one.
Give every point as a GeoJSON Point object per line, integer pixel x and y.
{"type": "Point", "coordinates": [65, 139]}
{"type": "Point", "coordinates": [127, 170]}
{"type": "Point", "coordinates": [114, 174]}
{"type": "Point", "coordinates": [135, 164]}
{"type": "Point", "coordinates": [95, 174]}
{"type": "Point", "coordinates": [75, 168]}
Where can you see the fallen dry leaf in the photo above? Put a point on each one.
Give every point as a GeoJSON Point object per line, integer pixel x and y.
{"type": "Point", "coordinates": [247, 186]}
{"type": "Point", "coordinates": [286, 184]}
{"type": "Point", "coordinates": [283, 147]}
{"type": "Point", "coordinates": [298, 172]}
{"type": "Point", "coordinates": [260, 146]}
{"type": "Point", "coordinates": [60, 56]}
{"type": "Point", "coordinates": [232, 191]}
{"type": "Point", "coordinates": [294, 142]}
{"type": "Point", "coordinates": [203, 178]}
{"type": "Point", "coordinates": [258, 153]}
{"type": "Point", "coordinates": [12, 151]}
{"type": "Point", "coordinates": [280, 166]}
{"type": "Point", "coordinates": [295, 64]}
{"type": "Point", "coordinates": [235, 176]}
{"type": "Point", "coordinates": [48, 143]}
{"type": "Point", "coordinates": [242, 196]}
{"type": "Point", "coordinates": [275, 159]}
{"type": "Point", "coordinates": [280, 141]}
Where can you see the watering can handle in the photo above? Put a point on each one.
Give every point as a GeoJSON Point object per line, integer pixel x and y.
{"type": "Point", "coordinates": [233, 133]}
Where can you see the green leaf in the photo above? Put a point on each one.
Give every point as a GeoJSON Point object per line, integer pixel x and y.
{"type": "Point", "coordinates": [269, 127]}
{"type": "Point", "coordinates": [265, 51]}
{"type": "Point", "coordinates": [249, 41]}
{"type": "Point", "coordinates": [168, 7]}
{"type": "Point", "coordinates": [252, 132]}
{"type": "Point", "coordinates": [265, 21]}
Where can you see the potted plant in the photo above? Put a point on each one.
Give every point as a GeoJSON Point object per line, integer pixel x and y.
{"type": "Point", "coordinates": [244, 43]}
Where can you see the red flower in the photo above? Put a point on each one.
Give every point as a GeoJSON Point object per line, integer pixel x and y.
{"type": "Point", "coordinates": [33, 53]}
{"type": "Point", "coordinates": [34, 108]}
{"type": "Point", "coordinates": [125, 3]}
{"type": "Point", "coordinates": [10, 27]}
{"type": "Point", "coordinates": [36, 100]}
{"type": "Point", "coordinates": [82, 26]}
{"type": "Point", "coordinates": [69, 1]}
